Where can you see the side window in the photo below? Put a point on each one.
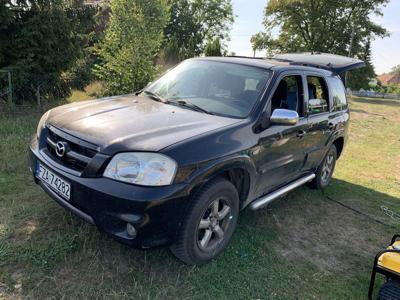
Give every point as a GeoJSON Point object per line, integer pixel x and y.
{"type": "Point", "coordinates": [289, 94]}
{"type": "Point", "coordinates": [318, 97]}
{"type": "Point", "coordinates": [338, 94]}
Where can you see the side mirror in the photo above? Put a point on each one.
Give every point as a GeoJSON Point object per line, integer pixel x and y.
{"type": "Point", "coordinates": [284, 117]}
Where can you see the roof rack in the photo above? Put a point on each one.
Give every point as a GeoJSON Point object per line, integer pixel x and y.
{"type": "Point", "coordinates": [250, 57]}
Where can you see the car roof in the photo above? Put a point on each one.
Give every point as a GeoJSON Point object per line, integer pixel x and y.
{"type": "Point", "coordinates": [265, 63]}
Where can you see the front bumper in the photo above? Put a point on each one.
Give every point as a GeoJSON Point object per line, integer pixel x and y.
{"type": "Point", "coordinates": [155, 212]}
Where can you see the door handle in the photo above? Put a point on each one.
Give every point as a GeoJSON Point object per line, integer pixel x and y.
{"type": "Point", "coordinates": [301, 133]}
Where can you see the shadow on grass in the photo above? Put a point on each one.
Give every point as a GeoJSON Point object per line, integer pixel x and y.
{"type": "Point", "coordinates": [281, 251]}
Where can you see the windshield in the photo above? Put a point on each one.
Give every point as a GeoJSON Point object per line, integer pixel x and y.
{"type": "Point", "coordinates": [216, 87]}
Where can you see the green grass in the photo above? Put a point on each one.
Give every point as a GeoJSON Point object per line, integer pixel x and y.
{"type": "Point", "coordinates": [303, 246]}
{"type": "Point", "coordinates": [92, 91]}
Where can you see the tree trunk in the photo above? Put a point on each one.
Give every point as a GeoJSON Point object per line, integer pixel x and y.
{"type": "Point", "coordinates": [353, 33]}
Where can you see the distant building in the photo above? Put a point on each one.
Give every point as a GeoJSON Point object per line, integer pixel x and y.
{"type": "Point", "coordinates": [389, 79]}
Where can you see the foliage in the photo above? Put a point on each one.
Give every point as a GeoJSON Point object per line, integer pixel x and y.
{"type": "Point", "coordinates": [6, 18]}
{"type": "Point", "coordinates": [395, 70]}
{"type": "Point", "coordinates": [41, 40]}
{"type": "Point", "coordinates": [334, 26]}
{"type": "Point", "coordinates": [393, 89]}
{"type": "Point", "coordinates": [192, 24]}
{"type": "Point", "coordinates": [131, 43]}
{"type": "Point", "coordinates": [259, 41]}
{"type": "Point", "coordinates": [213, 48]}
{"type": "Point", "coordinates": [81, 74]}
{"type": "Point", "coordinates": [360, 78]}
{"type": "Point", "coordinates": [388, 89]}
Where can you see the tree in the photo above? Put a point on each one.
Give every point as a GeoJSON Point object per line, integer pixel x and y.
{"type": "Point", "coordinates": [132, 41]}
{"type": "Point", "coordinates": [41, 40]}
{"type": "Point", "coordinates": [395, 70]}
{"type": "Point", "coordinates": [258, 42]}
{"type": "Point", "coordinates": [213, 48]}
{"type": "Point", "coordinates": [334, 26]}
{"type": "Point", "coordinates": [192, 24]}
{"type": "Point", "coordinates": [360, 78]}
{"type": "Point", "coordinates": [81, 73]}
{"type": "Point", "coordinates": [6, 19]}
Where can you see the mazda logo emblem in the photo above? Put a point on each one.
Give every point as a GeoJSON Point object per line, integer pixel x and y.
{"type": "Point", "coordinates": [61, 149]}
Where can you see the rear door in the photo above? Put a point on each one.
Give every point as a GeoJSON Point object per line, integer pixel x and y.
{"type": "Point", "coordinates": [322, 122]}
{"type": "Point", "coordinates": [339, 113]}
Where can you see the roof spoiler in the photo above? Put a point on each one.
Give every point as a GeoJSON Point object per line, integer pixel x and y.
{"type": "Point", "coordinates": [331, 62]}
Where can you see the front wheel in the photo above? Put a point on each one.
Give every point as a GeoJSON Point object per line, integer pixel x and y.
{"type": "Point", "coordinates": [325, 170]}
{"type": "Point", "coordinates": [209, 224]}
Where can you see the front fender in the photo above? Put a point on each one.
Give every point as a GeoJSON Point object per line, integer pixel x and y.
{"type": "Point", "coordinates": [212, 169]}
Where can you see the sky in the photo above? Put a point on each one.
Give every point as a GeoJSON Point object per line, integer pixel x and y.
{"type": "Point", "coordinates": [249, 17]}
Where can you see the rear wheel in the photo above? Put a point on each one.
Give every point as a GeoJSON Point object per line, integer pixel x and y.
{"type": "Point", "coordinates": [326, 169]}
{"type": "Point", "coordinates": [209, 224]}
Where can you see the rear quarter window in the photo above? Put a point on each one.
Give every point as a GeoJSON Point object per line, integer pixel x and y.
{"type": "Point", "coordinates": [338, 94]}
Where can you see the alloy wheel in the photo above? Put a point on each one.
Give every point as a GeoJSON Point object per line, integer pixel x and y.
{"type": "Point", "coordinates": [327, 168]}
{"type": "Point", "coordinates": [213, 225]}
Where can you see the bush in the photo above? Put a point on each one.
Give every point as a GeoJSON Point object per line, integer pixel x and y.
{"type": "Point", "coordinates": [131, 44]}
{"type": "Point", "coordinates": [41, 40]}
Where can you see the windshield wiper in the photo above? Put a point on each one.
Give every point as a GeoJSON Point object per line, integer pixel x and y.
{"type": "Point", "coordinates": [156, 97]}
{"type": "Point", "coordinates": [192, 106]}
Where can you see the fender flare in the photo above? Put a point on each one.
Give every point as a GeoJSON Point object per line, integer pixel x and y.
{"type": "Point", "coordinates": [216, 167]}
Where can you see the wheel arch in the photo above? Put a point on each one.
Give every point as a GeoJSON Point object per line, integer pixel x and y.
{"type": "Point", "coordinates": [240, 171]}
{"type": "Point", "coordinates": [240, 178]}
{"type": "Point", "coordinates": [339, 144]}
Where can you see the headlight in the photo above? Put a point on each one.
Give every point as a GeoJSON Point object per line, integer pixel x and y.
{"type": "Point", "coordinates": [150, 169]}
{"type": "Point", "coordinates": [42, 123]}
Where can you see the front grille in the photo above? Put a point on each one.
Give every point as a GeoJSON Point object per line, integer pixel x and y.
{"type": "Point", "coordinates": [77, 155]}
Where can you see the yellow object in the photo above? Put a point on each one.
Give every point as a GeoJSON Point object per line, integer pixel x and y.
{"type": "Point", "coordinates": [391, 261]}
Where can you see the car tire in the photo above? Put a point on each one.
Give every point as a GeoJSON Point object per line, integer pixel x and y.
{"type": "Point", "coordinates": [209, 223]}
{"type": "Point", "coordinates": [325, 170]}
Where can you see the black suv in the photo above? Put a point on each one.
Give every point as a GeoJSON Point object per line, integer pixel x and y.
{"type": "Point", "coordinates": [175, 163]}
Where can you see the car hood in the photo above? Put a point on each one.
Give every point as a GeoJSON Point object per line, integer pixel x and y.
{"type": "Point", "coordinates": [126, 123]}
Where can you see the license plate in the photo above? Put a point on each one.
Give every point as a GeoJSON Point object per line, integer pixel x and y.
{"type": "Point", "coordinates": [57, 184]}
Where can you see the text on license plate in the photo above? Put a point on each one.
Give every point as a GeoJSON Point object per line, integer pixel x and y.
{"type": "Point", "coordinates": [56, 183]}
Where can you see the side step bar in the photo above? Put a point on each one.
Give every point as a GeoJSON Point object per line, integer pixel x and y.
{"type": "Point", "coordinates": [265, 200]}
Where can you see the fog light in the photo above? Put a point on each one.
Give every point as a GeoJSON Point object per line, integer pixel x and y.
{"type": "Point", "coordinates": [131, 230]}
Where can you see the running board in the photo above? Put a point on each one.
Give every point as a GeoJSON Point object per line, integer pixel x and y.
{"type": "Point", "coordinates": [265, 200]}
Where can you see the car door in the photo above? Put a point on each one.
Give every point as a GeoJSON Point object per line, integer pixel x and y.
{"type": "Point", "coordinates": [280, 151]}
{"type": "Point", "coordinates": [321, 123]}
